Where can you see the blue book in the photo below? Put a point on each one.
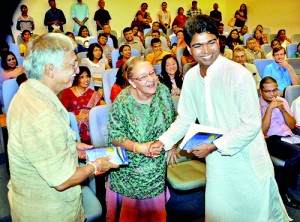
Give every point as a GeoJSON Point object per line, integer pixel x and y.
{"type": "Point", "coordinates": [199, 134]}
{"type": "Point", "coordinates": [118, 154]}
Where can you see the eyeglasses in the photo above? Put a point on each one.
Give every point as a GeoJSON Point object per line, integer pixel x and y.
{"type": "Point", "coordinates": [145, 76]}
{"type": "Point", "coordinates": [270, 91]}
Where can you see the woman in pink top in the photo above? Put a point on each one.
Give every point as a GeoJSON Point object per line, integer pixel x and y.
{"type": "Point", "coordinates": [10, 68]}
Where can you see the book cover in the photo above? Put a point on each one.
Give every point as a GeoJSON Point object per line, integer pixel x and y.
{"type": "Point", "coordinates": [118, 154]}
{"type": "Point", "coordinates": [199, 134]}
{"type": "Point", "coordinates": [291, 139]}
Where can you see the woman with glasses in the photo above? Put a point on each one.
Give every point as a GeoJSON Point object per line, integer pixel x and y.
{"type": "Point", "coordinates": [80, 99]}
{"type": "Point", "coordinates": [138, 116]}
{"type": "Point", "coordinates": [10, 68]}
{"type": "Point", "coordinates": [171, 75]}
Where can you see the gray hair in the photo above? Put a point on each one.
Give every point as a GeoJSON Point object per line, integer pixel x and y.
{"type": "Point", "coordinates": [46, 49]}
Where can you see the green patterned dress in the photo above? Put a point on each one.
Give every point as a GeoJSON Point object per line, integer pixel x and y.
{"type": "Point", "coordinates": [144, 177]}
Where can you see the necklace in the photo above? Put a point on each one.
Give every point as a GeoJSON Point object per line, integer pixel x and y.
{"type": "Point", "coordinates": [80, 94]}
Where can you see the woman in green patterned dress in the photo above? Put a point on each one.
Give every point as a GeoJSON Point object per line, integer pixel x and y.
{"type": "Point", "coordinates": [139, 115]}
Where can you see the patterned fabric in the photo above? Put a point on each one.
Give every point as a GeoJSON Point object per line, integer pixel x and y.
{"type": "Point", "coordinates": [144, 177]}
{"type": "Point", "coordinates": [193, 12]}
{"type": "Point", "coordinates": [81, 106]}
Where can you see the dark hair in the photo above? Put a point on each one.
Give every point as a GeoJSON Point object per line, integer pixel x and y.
{"type": "Point", "coordinates": [230, 40]}
{"type": "Point", "coordinates": [121, 50]}
{"type": "Point", "coordinates": [280, 30]}
{"type": "Point", "coordinates": [4, 57]}
{"type": "Point", "coordinates": [261, 41]}
{"type": "Point", "coordinates": [155, 31]}
{"type": "Point", "coordinates": [199, 24]}
{"type": "Point", "coordinates": [91, 48]}
{"type": "Point", "coordinates": [278, 48]}
{"type": "Point", "coordinates": [23, 6]}
{"type": "Point", "coordinates": [275, 40]}
{"type": "Point", "coordinates": [179, 9]}
{"type": "Point", "coordinates": [127, 29]}
{"type": "Point", "coordinates": [223, 37]}
{"type": "Point", "coordinates": [194, 2]}
{"type": "Point", "coordinates": [102, 35]}
{"type": "Point", "coordinates": [245, 11]}
{"type": "Point", "coordinates": [163, 3]}
{"type": "Point", "coordinates": [266, 80]}
{"type": "Point", "coordinates": [144, 4]}
{"type": "Point", "coordinates": [165, 78]}
{"type": "Point", "coordinates": [82, 69]}
{"type": "Point", "coordinates": [155, 40]}
{"type": "Point", "coordinates": [120, 80]}
{"type": "Point", "coordinates": [24, 32]}
{"type": "Point", "coordinates": [80, 30]}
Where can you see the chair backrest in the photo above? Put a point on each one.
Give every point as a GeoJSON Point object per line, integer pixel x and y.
{"type": "Point", "coordinates": [93, 40]}
{"type": "Point", "coordinates": [19, 39]}
{"type": "Point", "coordinates": [186, 68]}
{"type": "Point", "coordinates": [179, 53]}
{"type": "Point", "coordinates": [266, 48]}
{"type": "Point", "coordinates": [81, 55]}
{"type": "Point", "coordinates": [120, 39]}
{"type": "Point", "coordinates": [157, 68]}
{"type": "Point", "coordinates": [110, 42]}
{"type": "Point", "coordinates": [246, 36]}
{"type": "Point", "coordinates": [173, 39]}
{"type": "Point", "coordinates": [261, 64]}
{"type": "Point", "coordinates": [10, 39]}
{"type": "Point", "coordinates": [114, 57]}
{"type": "Point", "coordinates": [14, 47]}
{"type": "Point", "coordinates": [74, 126]}
{"type": "Point", "coordinates": [146, 31]}
{"type": "Point", "coordinates": [98, 120]}
{"type": "Point", "coordinates": [9, 89]}
{"type": "Point", "coordinates": [20, 60]}
{"type": "Point", "coordinates": [290, 49]}
{"type": "Point", "coordinates": [108, 79]}
{"type": "Point", "coordinates": [291, 93]}
{"type": "Point", "coordinates": [113, 32]}
{"type": "Point", "coordinates": [135, 52]}
{"type": "Point", "coordinates": [148, 51]}
{"type": "Point", "coordinates": [295, 63]}
{"type": "Point", "coordinates": [295, 38]}
{"type": "Point", "coordinates": [169, 32]}
{"type": "Point", "coordinates": [271, 36]}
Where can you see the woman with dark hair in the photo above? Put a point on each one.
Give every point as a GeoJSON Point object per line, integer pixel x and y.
{"type": "Point", "coordinates": [79, 99]}
{"type": "Point", "coordinates": [281, 35]}
{"type": "Point", "coordinates": [259, 37]}
{"type": "Point", "coordinates": [96, 63]}
{"type": "Point", "coordinates": [84, 36]}
{"type": "Point", "coordinates": [121, 83]}
{"type": "Point", "coordinates": [241, 16]}
{"type": "Point", "coordinates": [125, 54]}
{"type": "Point", "coordinates": [171, 74]}
{"type": "Point", "coordinates": [180, 19]}
{"type": "Point", "coordinates": [233, 39]}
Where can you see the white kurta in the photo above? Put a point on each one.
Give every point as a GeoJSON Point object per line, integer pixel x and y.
{"type": "Point", "coordinates": [240, 182]}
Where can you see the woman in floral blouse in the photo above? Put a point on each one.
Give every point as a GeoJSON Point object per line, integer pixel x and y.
{"type": "Point", "coordinates": [138, 116]}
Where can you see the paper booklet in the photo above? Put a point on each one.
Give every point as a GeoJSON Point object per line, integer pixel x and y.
{"type": "Point", "coordinates": [118, 154]}
{"type": "Point", "coordinates": [291, 139]}
{"type": "Point", "coordinates": [199, 134]}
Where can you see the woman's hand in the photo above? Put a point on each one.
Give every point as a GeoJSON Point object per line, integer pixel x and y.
{"type": "Point", "coordinates": [172, 155]}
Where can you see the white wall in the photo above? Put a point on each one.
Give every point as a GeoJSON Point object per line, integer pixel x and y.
{"type": "Point", "coordinates": [273, 14]}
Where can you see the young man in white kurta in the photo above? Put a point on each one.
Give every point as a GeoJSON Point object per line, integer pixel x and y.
{"type": "Point", "coordinates": [220, 93]}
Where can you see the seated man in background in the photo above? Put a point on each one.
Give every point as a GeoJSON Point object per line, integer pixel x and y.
{"type": "Point", "coordinates": [274, 43]}
{"type": "Point", "coordinates": [155, 27]}
{"type": "Point", "coordinates": [107, 30]}
{"type": "Point", "coordinates": [239, 56]}
{"type": "Point", "coordinates": [157, 55]}
{"type": "Point", "coordinates": [133, 43]}
{"type": "Point", "coordinates": [252, 51]}
{"type": "Point", "coordinates": [156, 34]}
{"type": "Point", "coordinates": [226, 52]}
{"type": "Point", "coordinates": [277, 122]}
{"type": "Point", "coordinates": [281, 70]}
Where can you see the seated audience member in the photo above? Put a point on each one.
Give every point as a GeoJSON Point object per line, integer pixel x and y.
{"type": "Point", "coordinates": [226, 52]}
{"type": "Point", "coordinates": [187, 58]}
{"type": "Point", "coordinates": [277, 122]}
{"type": "Point", "coordinates": [80, 47]}
{"type": "Point", "coordinates": [121, 83]}
{"type": "Point", "coordinates": [25, 35]}
{"type": "Point", "coordinates": [180, 42]}
{"type": "Point", "coordinates": [129, 40]}
{"type": "Point", "coordinates": [180, 19]}
{"type": "Point", "coordinates": [264, 35]}
{"type": "Point", "coordinates": [233, 39]}
{"type": "Point", "coordinates": [242, 32]}
{"type": "Point", "coordinates": [96, 63]}
{"type": "Point", "coordinates": [297, 53]}
{"type": "Point", "coordinates": [171, 74]}
{"type": "Point", "coordinates": [239, 56]}
{"type": "Point", "coordinates": [80, 99]}
{"type": "Point", "coordinates": [258, 37]}
{"type": "Point", "coordinates": [175, 28]}
{"type": "Point", "coordinates": [281, 70]}
{"type": "Point", "coordinates": [107, 49]}
{"type": "Point", "coordinates": [155, 27]}
{"type": "Point", "coordinates": [252, 51]}
{"type": "Point", "coordinates": [156, 34]}
{"type": "Point", "coordinates": [135, 30]}
{"type": "Point", "coordinates": [221, 29]}
{"type": "Point", "coordinates": [274, 42]}
{"type": "Point", "coordinates": [83, 36]}
{"type": "Point", "coordinates": [9, 67]}
{"type": "Point", "coordinates": [125, 54]}
{"type": "Point", "coordinates": [107, 30]}
{"type": "Point", "coordinates": [284, 41]}
{"type": "Point", "coordinates": [158, 53]}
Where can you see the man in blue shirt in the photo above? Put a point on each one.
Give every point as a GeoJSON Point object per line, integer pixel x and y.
{"type": "Point", "coordinates": [54, 17]}
{"type": "Point", "coordinates": [281, 70]}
